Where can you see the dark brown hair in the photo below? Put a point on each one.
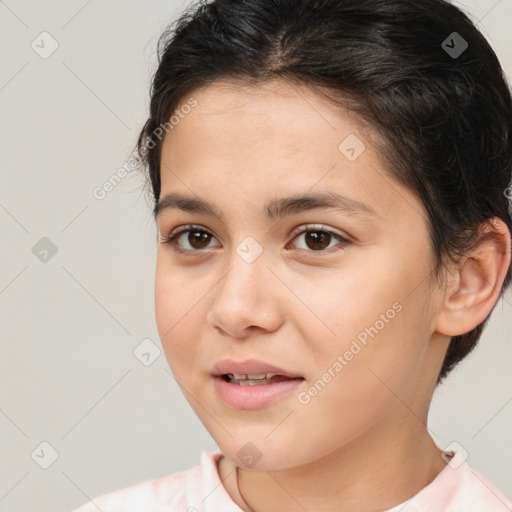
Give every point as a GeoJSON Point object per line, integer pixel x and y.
{"type": "Point", "coordinates": [443, 110]}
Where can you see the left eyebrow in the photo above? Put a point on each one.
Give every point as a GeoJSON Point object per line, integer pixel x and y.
{"type": "Point", "coordinates": [275, 208]}
{"type": "Point", "coordinates": [278, 208]}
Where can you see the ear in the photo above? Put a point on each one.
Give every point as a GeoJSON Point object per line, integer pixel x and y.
{"type": "Point", "coordinates": [475, 283]}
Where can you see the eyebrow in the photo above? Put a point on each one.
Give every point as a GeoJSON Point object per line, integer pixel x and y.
{"type": "Point", "coordinates": [275, 208]}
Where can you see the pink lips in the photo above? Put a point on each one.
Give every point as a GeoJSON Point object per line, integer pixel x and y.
{"type": "Point", "coordinates": [257, 396]}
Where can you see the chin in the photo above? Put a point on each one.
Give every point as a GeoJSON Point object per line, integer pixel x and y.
{"type": "Point", "coordinates": [262, 456]}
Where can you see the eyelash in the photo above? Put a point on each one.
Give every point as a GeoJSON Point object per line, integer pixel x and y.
{"type": "Point", "coordinates": [171, 239]}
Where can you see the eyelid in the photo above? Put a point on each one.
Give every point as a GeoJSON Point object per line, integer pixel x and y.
{"type": "Point", "coordinates": [172, 237]}
{"type": "Point", "coordinates": [297, 231]}
{"type": "Point", "coordinates": [317, 227]}
{"type": "Point", "coordinates": [304, 228]}
{"type": "Point", "coordinates": [188, 227]}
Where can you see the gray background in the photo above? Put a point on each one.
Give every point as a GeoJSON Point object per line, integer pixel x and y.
{"type": "Point", "coordinates": [70, 324]}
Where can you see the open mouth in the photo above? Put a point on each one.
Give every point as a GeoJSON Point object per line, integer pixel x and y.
{"type": "Point", "coordinates": [253, 384]}
{"type": "Point", "coordinates": [255, 380]}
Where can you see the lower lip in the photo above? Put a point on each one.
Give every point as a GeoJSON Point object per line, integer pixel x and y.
{"type": "Point", "coordinates": [254, 397]}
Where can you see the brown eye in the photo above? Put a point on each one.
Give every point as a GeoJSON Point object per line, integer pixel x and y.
{"type": "Point", "coordinates": [190, 239]}
{"type": "Point", "coordinates": [317, 240]}
{"type": "Point", "coordinates": [198, 239]}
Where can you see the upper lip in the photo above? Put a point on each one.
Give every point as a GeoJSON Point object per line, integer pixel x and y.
{"type": "Point", "coordinates": [249, 367]}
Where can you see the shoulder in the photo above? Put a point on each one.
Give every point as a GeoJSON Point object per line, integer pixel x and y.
{"type": "Point", "coordinates": [167, 494]}
{"type": "Point", "coordinates": [457, 488]}
{"type": "Point", "coordinates": [477, 493]}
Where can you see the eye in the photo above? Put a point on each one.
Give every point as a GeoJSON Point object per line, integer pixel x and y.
{"type": "Point", "coordinates": [196, 240]}
{"type": "Point", "coordinates": [317, 239]}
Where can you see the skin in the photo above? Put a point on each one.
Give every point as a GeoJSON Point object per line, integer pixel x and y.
{"type": "Point", "coordinates": [362, 442]}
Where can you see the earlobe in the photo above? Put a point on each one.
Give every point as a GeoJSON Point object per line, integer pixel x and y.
{"type": "Point", "coordinates": [476, 282]}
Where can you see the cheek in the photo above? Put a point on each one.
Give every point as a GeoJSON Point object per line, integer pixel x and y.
{"type": "Point", "coordinates": [359, 305]}
{"type": "Point", "coordinates": [377, 334]}
{"type": "Point", "coordinates": [167, 301]}
{"type": "Point", "coordinates": [176, 306]}
{"type": "Point", "coordinates": [357, 384]}
{"type": "Point", "coordinates": [177, 294]}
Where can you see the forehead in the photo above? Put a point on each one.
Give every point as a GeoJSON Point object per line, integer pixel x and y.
{"type": "Point", "coordinates": [278, 136]}
{"type": "Point", "coordinates": [275, 102]}
{"type": "Point", "coordinates": [249, 125]}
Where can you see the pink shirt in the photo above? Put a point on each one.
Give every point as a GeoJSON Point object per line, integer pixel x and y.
{"type": "Point", "coordinates": [457, 488]}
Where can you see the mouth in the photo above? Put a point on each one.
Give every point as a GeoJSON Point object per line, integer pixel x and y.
{"type": "Point", "coordinates": [250, 369]}
{"type": "Point", "coordinates": [253, 384]}
{"type": "Point", "coordinates": [255, 380]}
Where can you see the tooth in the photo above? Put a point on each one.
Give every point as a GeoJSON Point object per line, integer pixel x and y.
{"type": "Point", "coordinates": [239, 376]}
{"type": "Point", "coordinates": [257, 376]}
{"type": "Point", "coordinates": [251, 383]}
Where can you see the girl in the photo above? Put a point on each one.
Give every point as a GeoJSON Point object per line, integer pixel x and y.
{"type": "Point", "coordinates": [330, 189]}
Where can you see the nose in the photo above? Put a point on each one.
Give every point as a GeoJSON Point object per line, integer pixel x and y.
{"type": "Point", "coordinates": [246, 300]}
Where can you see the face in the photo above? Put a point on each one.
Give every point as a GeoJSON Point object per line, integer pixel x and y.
{"type": "Point", "coordinates": [339, 296]}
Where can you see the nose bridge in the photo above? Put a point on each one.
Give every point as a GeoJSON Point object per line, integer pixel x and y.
{"type": "Point", "coordinates": [247, 271]}
{"type": "Point", "coordinates": [244, 297]}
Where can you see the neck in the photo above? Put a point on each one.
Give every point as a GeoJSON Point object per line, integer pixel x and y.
{"type": "Point", "coordinates": [350, 479]}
